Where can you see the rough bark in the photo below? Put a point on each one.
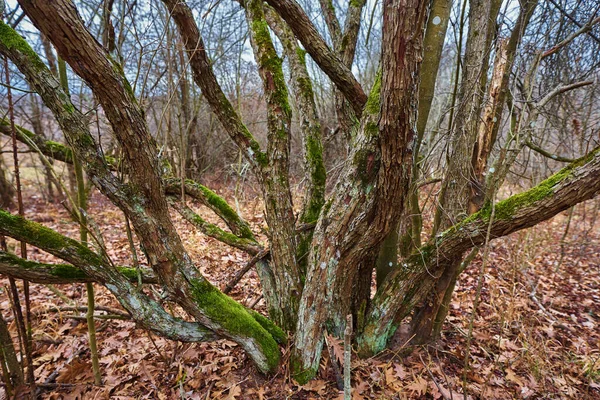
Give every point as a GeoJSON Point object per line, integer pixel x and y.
{"type": "Point", "coordinates": [6, 189]}
{"type": "Point", "coordinates": [407, 236]}
{"type": "Point", "coordinates": [368, 198]}
{"type": "Point", "coordinates": [274, 177]}
{"type": "Point", "coordinates": [310, 127]}
{"type": "Point", "coordinates": [8, 357]}
{"type": "Point", "coordinates": [143, 199]}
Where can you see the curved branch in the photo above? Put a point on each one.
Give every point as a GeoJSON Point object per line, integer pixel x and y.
{"type": "Point", "coordinates": [248, 245]}
{"type": "Point", "coordinates": [543, 152]}
{"type": "Point", "coordinates": [213, 201]}
{"type": "Point", "coordinates": [205, 78]}
{"type": "Point", "coordinates": [48, 148]}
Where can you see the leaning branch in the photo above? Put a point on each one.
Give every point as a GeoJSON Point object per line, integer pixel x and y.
{"type": "Point", "coordinates": [248, 245]}
{"type": "Point", "coordinates": [147, 312]}
{"type": "Point", "coordinates": [213, 201]}
{"type": "Point", "coordinates": [205, 78]}
{"type": "Point", "coordinates": [38, 272]}
{"type": "Point", "coordinates": [408, 286]}
{"type": "Point", "coordinates": [547, 154]}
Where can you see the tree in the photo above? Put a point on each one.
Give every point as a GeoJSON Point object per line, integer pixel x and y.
{"type": "Point", "coordinates": [310, 280]}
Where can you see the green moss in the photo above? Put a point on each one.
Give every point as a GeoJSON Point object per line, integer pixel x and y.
{"type": "Point", "coordinates": [305, 87]}
{"type": "Point", "coordinates": [219, 234]}
{"type": "Point", "coordinates": [301, 375]}
{"type": "Point", "coordinates": [367, 163]}
{"type": "Point", "coordinates": [371, 129]}
{"type": "Point", "coordinates": [357, 3]}
{"type": "Point", "coordinates": [275, 331]}
{"type": "Point", "coordinates": [234, 319]}
{"type": "Point", "coordinates": [225, 210]}
{"type": "Point", "coordinates": [268, 59]}
{"type": "Point", "coordinates": [373, 102]}
{"type": "Point", "coordinates": [301, 53]}
{"type": "Point", "coordinates": [129, 273]}
{"type": "Point", "coordinates": [314, 158]}
{"type": "Point", "coordinates": [118, 68]}
{"type": "Point", "coordinates": [67, 272]}
{"type": "Point", "coordinates": [26, 229]}
{"type": "Point", "coordinates": [261, 158]}
{"type": "Point", "coordinates": [10, 39]}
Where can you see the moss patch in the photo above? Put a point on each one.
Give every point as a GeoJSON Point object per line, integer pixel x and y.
{"type": "Point", "coordinates": [10, 39]}
{"type": "Point", "coordinates": [275, 331]}
{"type": "Point", "coordinates": [373, 102]}
{"type": "Point", "coordinates": [301, 375]}
{"type": "Point", "coordinates": [234, 319]}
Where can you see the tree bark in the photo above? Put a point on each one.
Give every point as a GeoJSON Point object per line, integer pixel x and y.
{"type": "Point", "coordinates": [368, 198]}
{"type": "Point", "coordinates": [143, 199]}
{"type": "Point", "coordinates": [327, 60]}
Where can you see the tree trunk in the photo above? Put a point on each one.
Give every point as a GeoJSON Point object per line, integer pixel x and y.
{"type": "Point", "coordinates": [472, 144]}
{"type": "Point", "coordinates": [407, 236]}
{"type": "Point", "coordinates": [369, 195]}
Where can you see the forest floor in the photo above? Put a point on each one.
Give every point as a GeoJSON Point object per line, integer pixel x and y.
{"type": "Point", "coordinates": [536, 332]}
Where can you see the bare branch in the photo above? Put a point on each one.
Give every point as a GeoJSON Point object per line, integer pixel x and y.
{"type": "Point", "coordinates": [543, 152]}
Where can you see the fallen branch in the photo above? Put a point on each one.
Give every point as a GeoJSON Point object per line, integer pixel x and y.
{"type": "Point", "coordinates": [240, 274]}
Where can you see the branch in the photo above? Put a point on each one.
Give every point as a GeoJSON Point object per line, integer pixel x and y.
{"type": "Point", "coordinates": [408, 286]}
{"type": "Point", "coordinates": [240, 274]}
{"type": "Point", "coordinates": [566, 14]}
{"type": "Point", "coordinates": [315, 45]}
{"type": "Point", "coordinates": [205, 78]}
{"type": "Point", "coordinates": [248, 245]}
{"type": "Point", "coordinates": [331, 19]}
{"type": "Point", "coordinates": [584, 29]}
{"type": "Point", "coordinates": [310, 126]}
{"type": "Point", "coordinates": [213, 201]}
{"type": "Point", "coordinates": [49, 148]}
{"type": "Point", "coordinates": [543, 152]}
{"type": "Point", "coordinates": [559, 90]}
{"type": "Point", "coordinates": [39, 272]}
{"type": "Point", "coordinates": [147, 312]}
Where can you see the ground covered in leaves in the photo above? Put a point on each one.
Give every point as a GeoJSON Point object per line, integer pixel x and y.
{"type": "Point", "coordinates": [536, 332]}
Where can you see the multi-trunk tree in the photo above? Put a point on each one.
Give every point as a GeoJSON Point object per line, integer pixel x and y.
{"type": "Point", "coordinates": [319, 263]}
